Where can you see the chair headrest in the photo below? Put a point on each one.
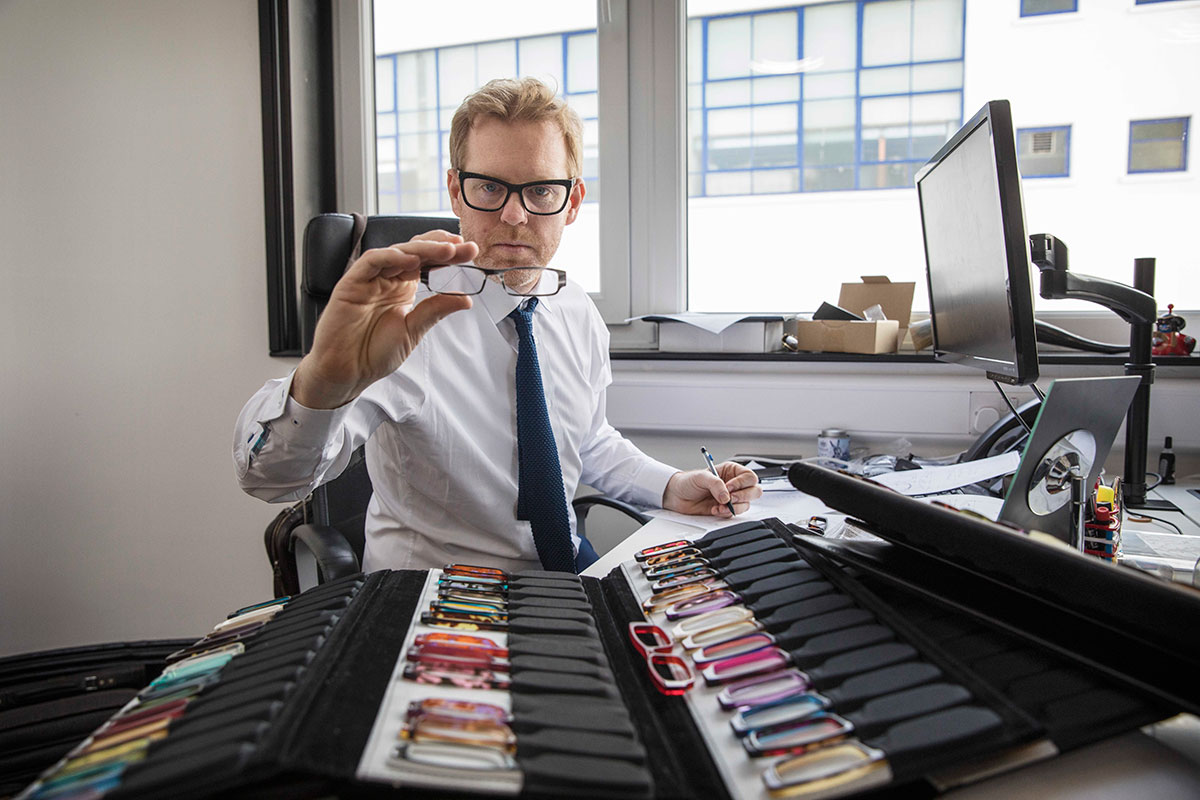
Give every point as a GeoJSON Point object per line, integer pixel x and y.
{"type": "Point", "coordinates": [328, 243]}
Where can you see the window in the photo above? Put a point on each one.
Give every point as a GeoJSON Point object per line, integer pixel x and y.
{"type": "Point", "coordinates": [1044, 152]}
{"type": "Point", "coordinates": [422, 74]}
{"type": "Point", "coordinates": [755, 154]}
{"type": "Point", "coordinates": [418, 92]}
{"type": "Point", "coordinates": [1034, 8]}
{"type": "Point", "coordinates": [1158, 145]}
{"type": "Point", "coordinates": [809, 100]}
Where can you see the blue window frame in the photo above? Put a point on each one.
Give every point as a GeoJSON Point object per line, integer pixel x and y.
{"type": "Point", "coordinates": [836, 96]}
{"type": "Point", "coordinates": [1150, 2]}
{"type": "Point", "coordinates": [1044, 152]}
{"type": "Point", "coordinates": [1158, 145]}
{"type": "Point", "coordinates": [413, 112]}
{"type": "Point", "coordinates": [1036, 8]}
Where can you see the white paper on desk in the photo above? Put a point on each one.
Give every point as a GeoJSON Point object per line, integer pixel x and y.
{"type": "Point", "coordinates": [788, 506]}
{"type": "Point", "coordinates": [713, 323]}
{"type": "Point", "coordinates": [936, 480]}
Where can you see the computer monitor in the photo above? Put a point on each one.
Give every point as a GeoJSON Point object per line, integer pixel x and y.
{"type": "Point", "coordinates": [977, 252]}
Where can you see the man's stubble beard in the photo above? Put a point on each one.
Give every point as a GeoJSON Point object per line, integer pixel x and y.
{"type": "Point", "coordinates": [542, 251]}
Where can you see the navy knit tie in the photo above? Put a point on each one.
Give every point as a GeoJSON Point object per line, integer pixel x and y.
{"type": "Point", "coordinates": [541, 498]}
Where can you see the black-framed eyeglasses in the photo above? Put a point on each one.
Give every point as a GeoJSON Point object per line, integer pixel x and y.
{"type": "Point", "coordinates": [469, 279]}
{"type": "Point", "coordinates": [543, 198]}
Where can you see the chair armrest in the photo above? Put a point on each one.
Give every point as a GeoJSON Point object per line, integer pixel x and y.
{"type": "Point", "coordinates": [328, 547]}
{"type": "Point", "coordinates": [583, 505]}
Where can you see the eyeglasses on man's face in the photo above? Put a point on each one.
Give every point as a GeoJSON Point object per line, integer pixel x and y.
{"type": "Point", "coordinates": [468, 279]}
{"type": "Point", "coordinates": [543, 198]}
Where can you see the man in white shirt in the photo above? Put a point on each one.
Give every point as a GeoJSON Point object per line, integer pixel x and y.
{"type": "Point", "coordinates": [427, 380]}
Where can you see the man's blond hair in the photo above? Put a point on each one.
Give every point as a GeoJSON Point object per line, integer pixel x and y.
{"type": "Point", "coordinates": [517, 100]}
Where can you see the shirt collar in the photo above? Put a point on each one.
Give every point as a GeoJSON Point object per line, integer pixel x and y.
{"type": "Point", "coordinates": [499, 303]}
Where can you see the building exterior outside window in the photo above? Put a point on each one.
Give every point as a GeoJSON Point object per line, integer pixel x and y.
{"type": "Point", "coordinates": [1044, 152]}
{"type": "Point", "coordinates": [1158, 145]}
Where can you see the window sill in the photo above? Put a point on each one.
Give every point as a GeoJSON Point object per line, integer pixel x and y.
{"type": "Point", "coordinates": [1056, 358]}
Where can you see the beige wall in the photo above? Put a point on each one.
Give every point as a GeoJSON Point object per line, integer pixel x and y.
{"type": "Point", "coordinates": [131, 317]}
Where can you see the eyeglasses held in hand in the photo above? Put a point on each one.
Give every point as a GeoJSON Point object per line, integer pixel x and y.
{"type": "Point", "coordinates": [468, 279]}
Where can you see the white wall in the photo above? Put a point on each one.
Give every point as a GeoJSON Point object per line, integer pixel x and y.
{"type": "Point", "coordinates": [132, 314]}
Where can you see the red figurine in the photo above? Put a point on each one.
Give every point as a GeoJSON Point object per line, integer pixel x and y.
{"type": "Point", "coordinates": [1167, 339]}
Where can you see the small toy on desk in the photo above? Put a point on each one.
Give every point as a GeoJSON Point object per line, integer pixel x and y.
{"type": "Point", "coordinates": [1102, 531]}
{"type": "Point", "coordinates": [1167, 339]}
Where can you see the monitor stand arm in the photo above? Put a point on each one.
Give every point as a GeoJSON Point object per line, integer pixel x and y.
{"type": "Point", "coordinates": [1134, 304]}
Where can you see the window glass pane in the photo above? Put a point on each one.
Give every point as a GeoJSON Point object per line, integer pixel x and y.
{"type": "Point", "coordinates": [1155, 156]}
{"type": "Point", "coordinates": [887, 176]}
{"type": "Point", "coordinates": [1165, 129]}
{"type": "Point", "coordinates": [729, 48]}
{"type": "Point", "coordinates": [831, 36]}
{"type": "Point", "coordinates": [936, 108]}
{"type": "Point", "coordinates": [776, 181]}
{"type": "Point", "coordinates": [775, 40]}
{"type": "Point", "coordinates": [719, 183]}
{"type": "Point", "coordinates": [828, 180]}
{"type": "Point", "coordinates": [695, 39]}
{"type": "Point", "coordinates": [930, 77]}
{"type": "Point", "coordinates": [887, 80]}
{"type": "Point", "coordinates": [887, 32]}
{"type": "Point", "coordinates": [496, 59]}
{"type": "Point", "coordinates": [833, 84]}
{"type": "Point", "coordinates": [456, 74]}
{"type": "Point", "coordinates": [695, 140]}
{"type": "Point", "coordinates": [829, 133]}
{"type": "Point", "coordinates": [385, 84]}
{"type": "Point", "coordinates": [1033, 7]}
{"type": "Point", "coordinates": [385, 124]}
{"type": "Point", "coordinates": [581, 63]}
{"type": "Point", "coordinates": [937, 29]}
{"type": "Point", "coordinates": [728, 93]}
{"type": "Point", "coordinates": [541, 57]}
{"type": "Point", "coordinates": [776, 90]}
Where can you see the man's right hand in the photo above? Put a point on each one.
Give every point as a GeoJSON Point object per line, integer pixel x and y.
{"type": "Point", "coordinates": [370, 324]}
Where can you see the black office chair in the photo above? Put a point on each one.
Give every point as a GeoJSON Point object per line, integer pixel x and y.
{"type": "Point", "coordinates": [328, 541]}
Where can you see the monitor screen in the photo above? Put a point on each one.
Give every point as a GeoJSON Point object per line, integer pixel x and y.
{"type": "Point", "coordinates": [977, 252]}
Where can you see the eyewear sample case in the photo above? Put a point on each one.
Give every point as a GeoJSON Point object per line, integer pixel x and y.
{"type": "Point", "coordinates": [761, 660]}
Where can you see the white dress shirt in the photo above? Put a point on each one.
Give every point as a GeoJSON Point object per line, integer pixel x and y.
{"type": "Point", "coordinates": [441, 436]}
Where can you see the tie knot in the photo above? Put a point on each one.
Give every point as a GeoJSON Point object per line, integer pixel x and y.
{"type": "Point", "coordinates": [523, 313]}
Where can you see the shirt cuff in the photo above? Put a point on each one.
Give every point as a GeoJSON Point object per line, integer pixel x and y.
{"type": "Point", "coordinates": [650, 483]}
{"type": "Point", "coordinates": [296, 425]}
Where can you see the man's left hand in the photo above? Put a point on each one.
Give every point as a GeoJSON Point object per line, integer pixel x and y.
{"type": "Point", "coordinates": [702, 493]}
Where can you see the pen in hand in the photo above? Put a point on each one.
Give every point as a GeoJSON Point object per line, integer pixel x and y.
{"type": "Point", "coordinates": [713, 469]}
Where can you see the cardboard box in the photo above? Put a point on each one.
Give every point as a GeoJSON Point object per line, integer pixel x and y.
{"type": "Point", "coordinates": [841, 336]}
{"type": "Point", "coordinates": [752, 334]}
